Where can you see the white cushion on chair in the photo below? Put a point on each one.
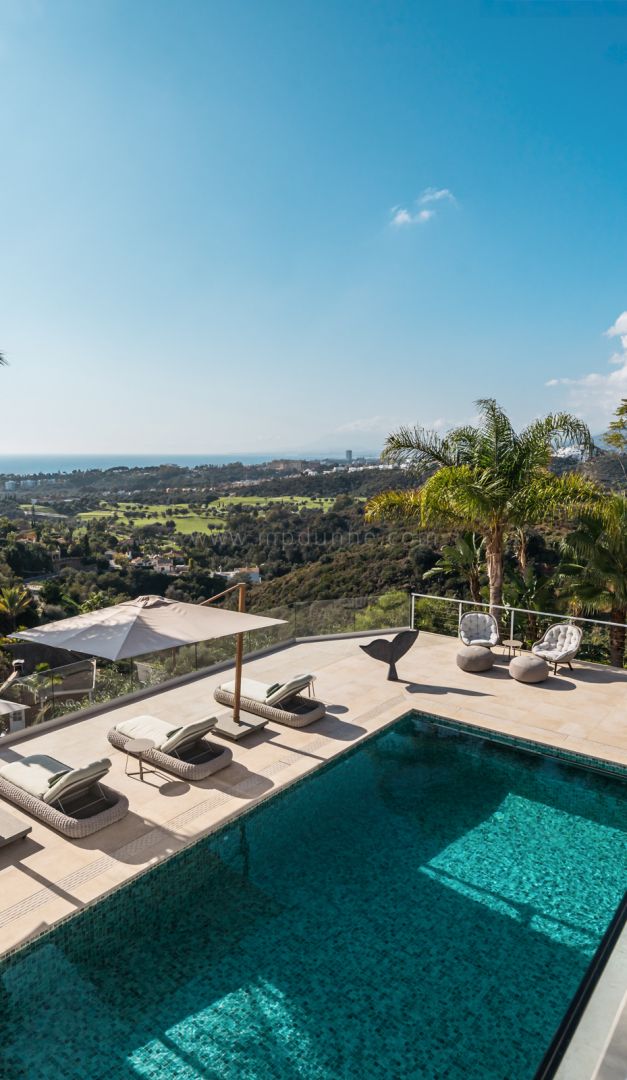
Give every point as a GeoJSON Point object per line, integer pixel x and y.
{"type": "Point", "coordinates": [479, 628]}
{"type": "Point", "coordinates": [33, 774]}
{"type": "Point", "coordinates": [259, 691]}
{"type": "Point", "coordinates": [560, 643]}
{"type": "Point", "coordinates": [148, 727]}
{"type": "Point", "coordinates": [165, 735]}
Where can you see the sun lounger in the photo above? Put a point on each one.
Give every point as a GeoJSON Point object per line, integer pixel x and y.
{"type": "Point", "coordinates": [281, 702]}
{"type": "Point", "coordinates": [75, 802]}
{"type": "Point", "coordinates": [181, 750]}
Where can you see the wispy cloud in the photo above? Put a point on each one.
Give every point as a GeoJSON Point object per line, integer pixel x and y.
{"type": "Point", "coordinates": [618, 329]}
{"type": "Point", "coordinates": [432, 194]}
{"type": "Point", "coordinates": [596, 395]}
{"type": "Point", "coordinates": [401, 216]}
{"type": "Point", "coordinates": [416, 214]}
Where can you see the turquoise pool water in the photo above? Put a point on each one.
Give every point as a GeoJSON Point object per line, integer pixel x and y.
{"type": "Point", "coordinates": [423, 908]}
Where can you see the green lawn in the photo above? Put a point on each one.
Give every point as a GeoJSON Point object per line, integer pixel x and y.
{"type": "Point", "coordinates": [130, 515]}
{"type": "Point", "coordinates": [304, 502]}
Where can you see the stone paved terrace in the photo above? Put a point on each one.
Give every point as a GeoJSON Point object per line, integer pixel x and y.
{"type": "Point", "coordinates": [46, 877]}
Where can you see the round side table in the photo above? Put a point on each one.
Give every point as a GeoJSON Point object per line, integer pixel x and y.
{"type": "Point", "coordinates": [138, 747]}
{"type": "Point", "coordinates": [511, 644]}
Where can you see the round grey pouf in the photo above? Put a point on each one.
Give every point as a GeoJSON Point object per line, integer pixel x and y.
{"type": "Point", "coordinates": [475, 658]}
{"type": "Point", "coordinates": [529, 669]}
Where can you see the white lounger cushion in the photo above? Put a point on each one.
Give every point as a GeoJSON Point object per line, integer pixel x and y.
{"type": "Point", "coordinates": [258, 691]}
{"type": "Point", "coordinates": [165, 737]}
{"type": "Point", "coordinates": [252, 689]}
{"type": "Point", "coordinates": [147, 727]}
{"type": "Point", "coordinates": [33, 774]}
{"type": "Point", "coordinates": [47, 779]}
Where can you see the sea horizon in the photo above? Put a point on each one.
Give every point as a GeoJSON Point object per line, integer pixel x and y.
{"type": "Point", "coordinates": [35, 464]}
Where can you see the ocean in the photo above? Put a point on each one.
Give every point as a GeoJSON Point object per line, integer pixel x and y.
{"type": "Point", "coordinates": [29, 464]}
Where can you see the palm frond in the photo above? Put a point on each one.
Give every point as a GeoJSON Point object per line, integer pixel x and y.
{"type": "Point", "coordinates": [417, 447]}
{"type": "Point", "coordinates": [558, 430]}
{"type": "Point", "coordinates": [394, 506]}
{"type": "Point", "coordinates": [461, 444]}
{"type": "Point", "coordinates": [546, 495]}
{"type": "Point", "coordinates": [455, 496]}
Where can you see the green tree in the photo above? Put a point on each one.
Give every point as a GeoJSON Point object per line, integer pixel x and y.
{"type": "Point", "coordinates": [15, 600]}
{"type": "Point", "coordinates": [616, 434]}
{"type": "Point", "coordinates": [488, 478]}
{"type": "Point", "coordinates": [533, 590]}
{"type": "Point", "coordinates": [462, 559]}
{"type": "Point", "coordinates": [94, 602]}
{"type": "Point", "coordinates": [597, 579]}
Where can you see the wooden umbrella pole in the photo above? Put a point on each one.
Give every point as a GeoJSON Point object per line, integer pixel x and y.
{"type": "Point", "coordinates": [239, 654]}
{"type": "Point", "coordinates": [239, 642]}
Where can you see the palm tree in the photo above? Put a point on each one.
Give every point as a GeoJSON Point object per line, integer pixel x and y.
{"type": "Point", "coordinates": [14, 601]}
{"type": "Point", "coordinates": [487, 477]}
{"type": "Point", "coordinates": [94, 602]}
{"type": "Point", "coordinates": [531, 590]}
{"type": "Point", "coordinates": [463, 559]}
{"type": "Point", "coordinates": [598, 579]}
{"type": "Point", "coordinates": [616, 435]}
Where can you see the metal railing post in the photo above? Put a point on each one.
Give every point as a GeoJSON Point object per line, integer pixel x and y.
{"type": "Point", "coordinates": [511, 623]}
{"type": "Point", "coordinates": [412, 611]}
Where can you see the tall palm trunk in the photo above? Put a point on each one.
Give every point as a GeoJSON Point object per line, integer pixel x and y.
{"type": "Point", "coordinates": [618, 636]}
{"type": "Point", "coordinates": [521, 550]}
{"type": "Point", "coordinates": [494, 562]}
{"type": "Point", "coordinates": [474, 582]}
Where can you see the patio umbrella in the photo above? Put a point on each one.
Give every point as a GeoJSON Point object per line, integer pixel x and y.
{"type": "Point", "coordinates": [147, 624]}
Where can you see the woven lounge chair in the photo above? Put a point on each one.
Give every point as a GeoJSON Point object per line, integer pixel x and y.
{"type": "Point", "coordinates": [180, 750]}
{"type": "Point", "coordinates": [281, 702]}
{"type": "Point", "coordinates": [75, 802]}
{"type": "Point", "coordinates": [479, 628]}
{"type": "Point", "coordinates": [559, 645]}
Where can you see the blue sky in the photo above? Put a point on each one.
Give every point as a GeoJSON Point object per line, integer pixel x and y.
{"type": "Point", "coordinates": [294, 225]}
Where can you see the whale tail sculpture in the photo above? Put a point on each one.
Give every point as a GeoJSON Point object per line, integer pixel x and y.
{"type": "Point", "coordinates": [391, 651]}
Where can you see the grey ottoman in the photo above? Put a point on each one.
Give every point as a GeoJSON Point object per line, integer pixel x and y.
{"type": "Point", "coordinates": [475, 658]}
{"type": "Point", "coordinates": [529, 669]}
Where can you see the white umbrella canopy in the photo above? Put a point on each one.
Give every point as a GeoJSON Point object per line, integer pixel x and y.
{"type": "Point", "coordinates": [147, 624]}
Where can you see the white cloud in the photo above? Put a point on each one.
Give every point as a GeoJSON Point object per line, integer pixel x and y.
{"type": "Point", "coordinates": [402, 215]}
{"type": "Point", "coordinates": [432, 194]}
{"type": "Point", "coordinates": [595, 396]}
{"type": "Point", "coordinates": [618, 329]}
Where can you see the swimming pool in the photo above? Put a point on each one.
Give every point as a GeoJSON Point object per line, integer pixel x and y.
{"type": "Point", "coordinates": [423, 907]}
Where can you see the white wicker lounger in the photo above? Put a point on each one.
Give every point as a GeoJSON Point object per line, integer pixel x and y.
{"type": "Point", "coordinates": [182, 751]}
{"type": "Point", "coordinates": [280, 703]}
{"type": "Point", "coordinates": [76, 803]}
